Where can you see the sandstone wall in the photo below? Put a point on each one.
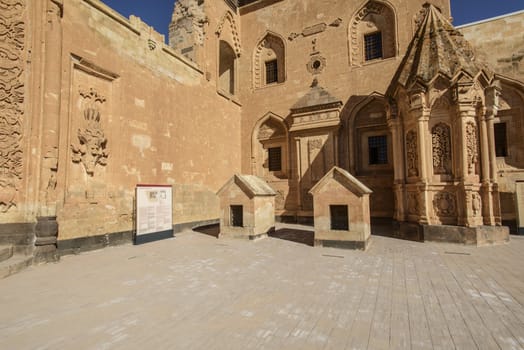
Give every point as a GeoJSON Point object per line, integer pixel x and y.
{"type": "Point", "coordinates": [110, 106]}
{"type": "Point", "coordinates": [323, 31]}
{"type": "Point", "coordinates": [500, 43]}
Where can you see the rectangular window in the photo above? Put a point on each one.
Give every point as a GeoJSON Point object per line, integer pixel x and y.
{"type": "Point", "coordinates": [339, 217]}
{"type": "Point", "coordinates": [271, 72]}
{"type": "Point", "coordinates": [237, 216]}
{"type": "Point", "coordinates": [274, 158]}
{"type": "Point", "coordinates": [501, 141]}
{"type": "Point", "coordinates": [373, 46]}
{"type": "Point", "coordinates": [378, 149]}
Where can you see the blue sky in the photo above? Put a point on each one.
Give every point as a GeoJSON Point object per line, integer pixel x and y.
{"type": "Point", "coordinates": [157, 13]}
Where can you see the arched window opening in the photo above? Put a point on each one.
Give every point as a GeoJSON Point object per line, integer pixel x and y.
{"type": "Point", "coordinates": [269, 61]}
{"type": "Point", "coordinates": [372, 34]}
{"type": "Point", "coordinates": [227, 63]}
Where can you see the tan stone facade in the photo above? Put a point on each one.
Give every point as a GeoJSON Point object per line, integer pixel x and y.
{"type": "Point", "coordinates": [94, 104]}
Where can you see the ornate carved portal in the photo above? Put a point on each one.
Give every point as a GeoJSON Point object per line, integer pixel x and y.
{"type": "Point", "coordinates": [440, 135]}
{"type": "Point", "coordinates": [12, 35]}
{"type": "Point", "coordinates": [91, 148]}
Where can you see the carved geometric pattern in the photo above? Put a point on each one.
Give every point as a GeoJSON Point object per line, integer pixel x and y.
{"type": "Point", "coordinates": [91, 149]}
{"type": "Point", "coordinates": [12, 35]}
{"type": "Point", "coordinates": [412, 153]}
{"type": "Point", "coordinates": [440, 135]}
{"type": "Point", "coordinates": [472, 146]}
{"type": "Point", "coordinates": [445, 204]}
{"type": "Point", "coordinates": [378, 9]}
{"type": "Point", "coordinates": [228, 16]}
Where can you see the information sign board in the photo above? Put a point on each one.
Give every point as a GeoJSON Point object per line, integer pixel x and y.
{"type": "Point", "coordinates": [154, 209]}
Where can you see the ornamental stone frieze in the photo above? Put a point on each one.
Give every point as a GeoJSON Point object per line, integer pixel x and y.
{"type": "Point", "coordinates": [12, 96]}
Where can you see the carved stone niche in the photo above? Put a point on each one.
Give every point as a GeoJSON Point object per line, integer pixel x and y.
{"type": "Point", "coordinates": [441, 142]}
{"type": "Point", "coordinates": [91, 148]}
{"type": "Point", "coordinates": [412, 153]}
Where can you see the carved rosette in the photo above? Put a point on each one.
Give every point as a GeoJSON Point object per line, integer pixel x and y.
{"type": "Point", "coordinates": [445, 204]}
{"type": "Point", "coordinates": [12, 36]}
{"type": "Point", "coordinates": [472, 146]}
{"type": "Point", "coordinates": [440, 135]}
{"type": "Point", "coordinates": [412, 154]}
{"type": "Point", "coordinates": [91, 149]}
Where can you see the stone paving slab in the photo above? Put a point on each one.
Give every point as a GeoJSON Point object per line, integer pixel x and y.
{"type": "Point", "coordinates": [197, 292]}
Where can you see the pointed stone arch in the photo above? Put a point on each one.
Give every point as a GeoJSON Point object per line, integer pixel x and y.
{"type": "Point", "coordinates": [374, 103]}
{"type": "Point", "coordinates": [270, 48]}
{"type": "Point", "coordinates": [269, 131]}
{"type": "Point", "coordinates": [228, 21]}
{"type": "Point", "coordinates": [375, 17]}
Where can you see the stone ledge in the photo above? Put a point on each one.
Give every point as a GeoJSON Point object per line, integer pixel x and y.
{"type": "Point", "coordinates": [84, 244]}
{"type": "Point", "coordinates": [479, 236]}
{"type": "Point", "coordinates": [353, 245]}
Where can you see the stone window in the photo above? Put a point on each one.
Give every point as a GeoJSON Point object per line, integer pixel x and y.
{"type": "Point", "coordinates": [372, 33]}
{"type": "Point", "coordinates": [373, 46]}
{"type": "Point", "coordinates": [501, 141]}
{"type": "Point", "coordinates": [237, 215]}
{"type": "Point", "coordinates": [227, 65]}
{"type": "Point", "coordinates": [378, 149]}
{"type": "Point", "coordinates": [339, 217]}
{"type": "Point", "coordinates": [269, 61]}
{"type": "Point", "coordinates": [271, 72]}
{"type": "Point", "coordinates": [275, 158]}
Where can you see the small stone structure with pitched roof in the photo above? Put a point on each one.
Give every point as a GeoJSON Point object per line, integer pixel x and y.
{"type": "Point", "coordinates": [341, 211]}
{"type": "Point", "coordinates": [247, 208]}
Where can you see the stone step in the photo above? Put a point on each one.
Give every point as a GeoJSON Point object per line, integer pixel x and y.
{"type": "Point", "coordinates": [6, 252]}
{"type": "Point", "coordinates": [14, 264]}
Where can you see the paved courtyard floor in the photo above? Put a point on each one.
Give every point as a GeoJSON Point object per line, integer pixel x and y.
{"type": "Point", "coordinates": [197, 292]}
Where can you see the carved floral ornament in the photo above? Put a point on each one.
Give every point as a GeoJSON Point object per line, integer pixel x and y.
{"type": "Point", "coordinates": [12, 37]}
{"type": "Point", "coordinates": [92, 143]}
{"type": "Point", "coordinates": [440, 135]}
{"type": "Point", "coordinates": [472, 146]}
{"type": "Point", "coordinates": [412, 153]}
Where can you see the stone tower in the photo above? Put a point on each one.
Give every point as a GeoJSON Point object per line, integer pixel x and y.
{"type": "Point", "coordinates": [186, 30]}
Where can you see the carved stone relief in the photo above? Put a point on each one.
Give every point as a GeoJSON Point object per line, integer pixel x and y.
{"type": "Point", "coordinates": [476, 204]}
{"type": "Point", "coordinates": [441, 140]}
{"type": "Point", "coordinates": [444, 204]}
{"type": "Point", "coordinates": [12, 35]}
{"type": "Point", "coordinates": [472, 146]}
{"type": "Point", "coordinates": [316, 64]}
{"type": "Point", "coordinates": [91, 149]}
{"type": "Point", "coordinates": [412, 153]}
{"type": "Point", "coordinates": [413, 207]}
